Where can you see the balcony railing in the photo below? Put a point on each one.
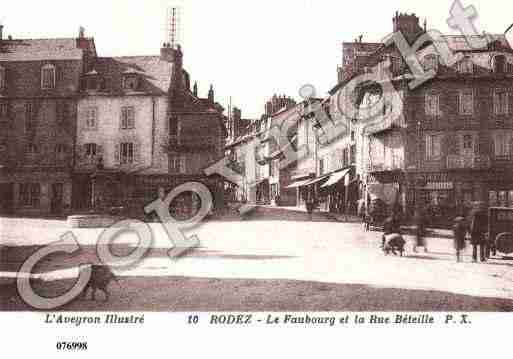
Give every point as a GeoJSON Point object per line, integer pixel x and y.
{"type": "Point", "coordinates": [468, 162]}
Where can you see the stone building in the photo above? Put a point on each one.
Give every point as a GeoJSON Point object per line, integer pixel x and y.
{"type": "Point", "coordinates": [140, 129]}
{"type": "Point", "coordinates": [39, 90]}
{"type": "Point", "coordinates": [451, 143]}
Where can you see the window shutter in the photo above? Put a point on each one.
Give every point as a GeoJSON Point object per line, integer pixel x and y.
{"type": "Point", "coordinates": [495, 103]}
{"type": "Point", "coordinates": [99, 150]}
{"type": "Point", "coordinates": [132, 117]}
{"type": "Point", "coordinates": [137, 153]}
{"type": "Point", "coordinates": [122, 116]}
{"type": "Point", "coordinates": [182, 163]}
{"type": "Point", "coordinates": [428, 146]}
{"type": "Point", "coordinates": [117, 154]}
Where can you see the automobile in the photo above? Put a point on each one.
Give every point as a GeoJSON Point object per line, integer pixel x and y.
{"type": "Point", "coordinates": [500, 230]}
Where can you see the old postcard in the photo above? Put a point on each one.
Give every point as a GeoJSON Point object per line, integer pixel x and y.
{"type": "Point", "coordinates": [186, 166]}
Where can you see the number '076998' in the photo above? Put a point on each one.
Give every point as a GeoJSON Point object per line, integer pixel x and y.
{"type": "Point", "coordinates": [64, 346]}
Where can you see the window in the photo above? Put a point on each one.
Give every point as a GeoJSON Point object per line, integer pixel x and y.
{"type": "Point", "coordinates": [499, 64]}
{"type": "Point", "coordinates": [321, 166]}
{"type": "Point", "coordinates": [48, 77]}
{"type": "Point", "coordinates": [30, 194]}
{"type": "Point", "coordinates": [466, 102]}
{"type": "Point", "coordinates": [501, 143]}
{"type": "Point", "coordinates": [127, 117]}
{"type": "Point", "coordinates": [127, 152]}
{"type": "Point", "coordinates": [92, 118]}
{"type": "Point", "coordinates": [432, 105]}
{"type": "Point", "coordinates": [352, 136]}
{"type": "Point", "coordinates": [63, 112]}
{"type": "Point", "coordinates": [177, 163]}
{"type": "Point", "coordinates": [468, 142]}
{"type": "Point", "coordinates": [500, 102]}
{"type": "Point", "coordinates": [2, 78]}
{"type": "Point", "coordinates": [60, 150]}
{"type": "Point", "coordinates": [30, 123]}
{"type": "Point", "coordinates": [130, 82]}
{"type": "Point", "coordinates": [31, 149]}
{"type": "Point", "coordinates": [492, 198]}
{"type": "Point", "coordinates": [4, 110]}
{"type": "Point", "coordinates": [466, 66]}
{"type": "Point", "coordinates": [91, 150]}
{"type": "Point", "coordinates": [433, 147]}
{"type": "Point", "coordinates": [352, 154]}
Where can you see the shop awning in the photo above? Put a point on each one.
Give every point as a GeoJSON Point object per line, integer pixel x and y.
{"type": "Point", "coordinates": [316, 180]}
{"type": "Point", "coordinates": [298, 183]}
{"type": "Point", "coordinates": [336, 177]}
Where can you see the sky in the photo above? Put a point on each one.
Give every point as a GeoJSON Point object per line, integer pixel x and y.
{"type": "Point", "coordinates": [248, 50]}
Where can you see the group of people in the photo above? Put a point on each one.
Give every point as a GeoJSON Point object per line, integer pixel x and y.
{"type": "Point", "coordinates": [475, 229]}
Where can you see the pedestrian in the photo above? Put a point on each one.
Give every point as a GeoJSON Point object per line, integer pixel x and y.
{"type": "Point", "coordinates": [420, 230]}
{"type": "Point", "coordinates": [310, 203]}
{"type": "Point", "coordinates": [459, 230]}
{"type": "Point", "coordinates": [478, 228]}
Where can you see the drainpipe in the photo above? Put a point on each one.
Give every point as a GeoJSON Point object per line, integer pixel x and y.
{"type": "Point", "coordinates": [153, 104]}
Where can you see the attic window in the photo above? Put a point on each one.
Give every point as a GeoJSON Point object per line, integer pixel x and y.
{"type": "Point", "coordinates": [466, 66]}
{"type": "Point", "coordinates": [130, 81]}
{"type": "Point", "coordinates": [499, 64]}
{"type": "Point", "coordinates": [92, 80]}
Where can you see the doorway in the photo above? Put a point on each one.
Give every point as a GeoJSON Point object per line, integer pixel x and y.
{"type": "Point", "coordinates": [6, 198]}
{"type": "Point", "coordinates": [57, 198]}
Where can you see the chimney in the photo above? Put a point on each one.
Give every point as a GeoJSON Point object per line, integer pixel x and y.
{"type": "Point", "coordinates": [82, 41]}
{"type": "Point", "coordinates": [1, 32]}
{"type": "Point", "coordinates": [211, 94]}
{"type": "Point", "coordinates": [408, 25]}
{"type": "Point", "coordinates": [195, 89]}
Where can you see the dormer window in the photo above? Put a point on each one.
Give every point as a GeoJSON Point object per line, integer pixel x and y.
{"type": "Point", "coordinates": [130, 80]}
{"type": "Point", "coordinates": [499, 64]}
{"type": "Point", "coordinates": [466, 66]}
{"type": "Point", "coordinates": [2, 78]}
{"type": "Point", "coordinates": [48, 77]}
{"type": "Point", "coordinates": [92, 80]}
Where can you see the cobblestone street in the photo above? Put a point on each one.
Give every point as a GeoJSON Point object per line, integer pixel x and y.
{"type": "Point", "coordinates": [266, 264]}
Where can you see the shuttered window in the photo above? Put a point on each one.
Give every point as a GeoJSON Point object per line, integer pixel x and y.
{"type": "Point", "coordinates": [48, 77]}
{"type": "Point", "coordinates": [500, 102]}
{"type": "Point", "coordinates": [433, 147]}
{"type": "Point", "coordinates": [127, 117]}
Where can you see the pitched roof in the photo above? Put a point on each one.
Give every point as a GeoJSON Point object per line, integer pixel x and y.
{"type": "Point", "coordinates": [155, 73]}
{"type": "Point", "coordinates": [461, 42]}
{"type": "Point", "coordinates": [40, 49]}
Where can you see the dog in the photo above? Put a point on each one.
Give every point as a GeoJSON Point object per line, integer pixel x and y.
{"type": "Point", "coordinates": [392, 243]}
{"type": "Point", "coordinates": [101, 276]}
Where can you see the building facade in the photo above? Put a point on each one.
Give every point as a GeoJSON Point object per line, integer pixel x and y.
{"type": "Point", "coordinates": [450, 144]}
{"type": "Point", "coordinates": [39, 91]}
{"type": "Point", "coordinates": [142, 130]}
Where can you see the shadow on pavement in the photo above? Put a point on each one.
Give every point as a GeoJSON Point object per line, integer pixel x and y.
{"type": "Point", "coordinates": [220, 294]}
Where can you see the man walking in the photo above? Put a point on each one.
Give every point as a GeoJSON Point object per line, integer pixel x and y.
{"type": "Point", "coordinates": [478, 228]}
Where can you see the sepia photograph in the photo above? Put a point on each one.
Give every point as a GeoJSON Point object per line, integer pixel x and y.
{"type": "Point", "coordinates": [256, 157]}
